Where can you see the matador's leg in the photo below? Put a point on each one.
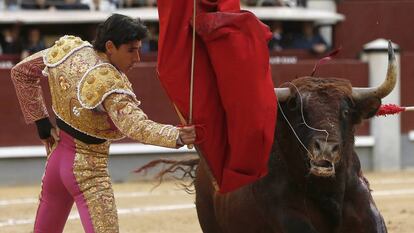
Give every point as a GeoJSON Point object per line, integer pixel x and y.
{"type": "Point", "coordinates": [55, 200]}
{"type": "Point", "coordinates": [86, 178]}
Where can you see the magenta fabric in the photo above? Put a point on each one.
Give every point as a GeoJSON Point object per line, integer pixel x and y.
{"type": "Point", "coordinates": [60, 190]}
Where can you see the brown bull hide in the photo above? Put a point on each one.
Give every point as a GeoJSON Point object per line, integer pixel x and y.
{"type": "Point", "coordinates": [290, 199]}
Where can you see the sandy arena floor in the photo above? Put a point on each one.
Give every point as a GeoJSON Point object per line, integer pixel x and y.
{"type": "Point", "coordinates": [167, 209]}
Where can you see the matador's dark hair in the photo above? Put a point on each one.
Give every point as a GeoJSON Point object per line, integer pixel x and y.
{"type": "Point", "coordinates": [120, 29]}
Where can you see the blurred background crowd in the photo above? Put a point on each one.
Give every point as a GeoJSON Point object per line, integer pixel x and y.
{"type": "Point", "coordinates": [110, 4]}
{"type": "Point", "coordinates": [28, 39]}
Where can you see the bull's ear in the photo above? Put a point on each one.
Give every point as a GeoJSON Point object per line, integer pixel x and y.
{"type": "Point", "coordinates": [368, 107]}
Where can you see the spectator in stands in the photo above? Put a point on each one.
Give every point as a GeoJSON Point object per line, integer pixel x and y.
{"type": "Point", "coordinates": [302, 3]}
{"type": "Point", "coordinates": [287, 3]}
{"type": "Point", "coordinates": [1, 42]}
{"type": "Point", "coordinates": [310, 39]}
{"type": "Point", "coordinates": [129, 3]}
{"type": "Point", "coordinates": [276, 42]}
{"type": "Point", "coordinates": [152, 3]}
{"type": "Point", "coordinates": [72, 5]}
{"type": "Point", "coordinates": [137, 3]}
{"type": "Point", "coordinates": [150, 44]}
{"type": "Point", "coordinates": [11, 5]}
{"type": "Point", "coordinates": [101, 5]}
{"type": "Point", "coordinates": [10, 40]}
{"type": "Point", "coordinates": [249, 2]}
{"type": "Point", "coordinates": [269, 3]}
{"type": "Point", "coordinates": [33, 44]}
{"type": "Point", "coordinates": [294, 3]}
{"type": "Point", "coordinates": [36, 4]}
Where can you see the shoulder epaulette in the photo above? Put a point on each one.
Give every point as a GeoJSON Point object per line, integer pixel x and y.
{"type": "Point", "coordinates": [62, 49]}
{"type": "Point", "coordinates": [99, 82]}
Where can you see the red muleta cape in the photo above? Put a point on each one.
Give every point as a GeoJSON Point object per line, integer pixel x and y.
{"type": "Point", "coordinates": [233, 91]}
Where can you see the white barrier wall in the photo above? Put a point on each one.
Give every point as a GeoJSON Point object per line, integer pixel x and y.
{"type": "Point", "coordinates": [385, 130]}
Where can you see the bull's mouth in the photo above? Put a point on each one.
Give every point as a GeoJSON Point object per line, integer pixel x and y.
{"type": "Point", "coordinates": [322, 167]}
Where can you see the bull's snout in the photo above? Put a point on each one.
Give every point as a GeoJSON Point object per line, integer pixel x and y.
{"type": "Point", "coordinates": [322, 148]}
{"type": "Point", "coordinates": [323, 158]}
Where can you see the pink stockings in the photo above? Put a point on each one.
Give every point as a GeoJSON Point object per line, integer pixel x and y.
{"type": "Point", "coordinates": [77, 172]}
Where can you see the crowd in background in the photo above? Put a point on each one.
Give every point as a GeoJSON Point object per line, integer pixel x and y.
{"type": "Point", "coordinates": [286, 3]}
{"type": "Point", "coordinates": [113, 4]}
{"type": "Point", "coordinates": [25, 42]}
{"type": "Point", "coordinates": [304, 35]}
{"type": "Point", "coordinates": [13, 42]}
{"type": "Point", "coordinates": [100, 5]}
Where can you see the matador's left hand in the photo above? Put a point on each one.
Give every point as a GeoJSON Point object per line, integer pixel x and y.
{"type": "Point", "coordinates": [52, 140]}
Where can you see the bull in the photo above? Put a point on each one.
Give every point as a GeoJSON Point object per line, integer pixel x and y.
{"type": "Point", "coordinates": [315, 183]}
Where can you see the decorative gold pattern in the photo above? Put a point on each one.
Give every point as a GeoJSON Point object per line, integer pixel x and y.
{"type": "Point", "coordinates": [91, 172]}
{"type": "Point", "coordinates": [26, 79]}
{"type": "Point", "coordinates": [101, 81]}
{"type": "Point", "coordinates": [133, 122]}
{"type": "Point", "coordinates": [63, 48]}
{"type": "Point", "coordinates": [63, 81]}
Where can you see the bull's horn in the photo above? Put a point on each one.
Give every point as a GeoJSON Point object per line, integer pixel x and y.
{"type": "Point", "coordinates": [282, 93]}
{"type": "Point", "coordinates": [386, 87]}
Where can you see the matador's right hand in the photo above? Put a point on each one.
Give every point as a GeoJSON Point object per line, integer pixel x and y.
{"type": "Point", "coordinates": [187, 135]}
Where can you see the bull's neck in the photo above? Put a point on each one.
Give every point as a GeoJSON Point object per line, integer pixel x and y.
{"type": "Point", "coordinates": [288, 155]}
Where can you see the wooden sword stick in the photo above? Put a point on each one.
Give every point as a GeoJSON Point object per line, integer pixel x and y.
{"type": "Point", "coordinates": [190, 118]}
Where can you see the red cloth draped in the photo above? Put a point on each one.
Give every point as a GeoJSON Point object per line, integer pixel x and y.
{"type": "Point", "coordinates": [233, 91]}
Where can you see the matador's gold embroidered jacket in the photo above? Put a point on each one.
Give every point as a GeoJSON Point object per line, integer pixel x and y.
{"type": "Point", "coordinates": [88, 93]}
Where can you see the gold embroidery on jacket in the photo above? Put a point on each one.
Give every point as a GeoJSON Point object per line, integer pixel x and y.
{"type": "Point", "coordinates": [62, 49]}
{"type": "Point", "coordinates": [63, 81]}
{"type": "Point", "coordinates": [134, 123]}
{"type": "Point", "coordinates": [99, 82]}
{"type": "Point", "coordinates": [26, 79]}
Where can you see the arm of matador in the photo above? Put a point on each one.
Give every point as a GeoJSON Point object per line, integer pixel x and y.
{"type": "Point", "coordinates": [26, 79]}
{"type": "Point", "coordinates": [134, 123]}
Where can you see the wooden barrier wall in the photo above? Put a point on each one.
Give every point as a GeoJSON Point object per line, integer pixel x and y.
{"type": "Point", "coordinates": [154, 100]}
{"type": "Point", "coordinates": [367, 20]}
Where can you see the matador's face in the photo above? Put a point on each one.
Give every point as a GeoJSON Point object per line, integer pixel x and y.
{"type": "Point", "coordinates": [125, 56]}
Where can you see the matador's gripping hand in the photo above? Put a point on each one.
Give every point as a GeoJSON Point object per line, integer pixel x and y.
{"type": "Point", "coordinates": [187, 135]}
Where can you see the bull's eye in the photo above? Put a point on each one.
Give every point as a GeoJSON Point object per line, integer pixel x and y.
{"type": "Point", "coordinates": [292, 104]}
{"type": "Point", "coordinates": [345, 113]}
